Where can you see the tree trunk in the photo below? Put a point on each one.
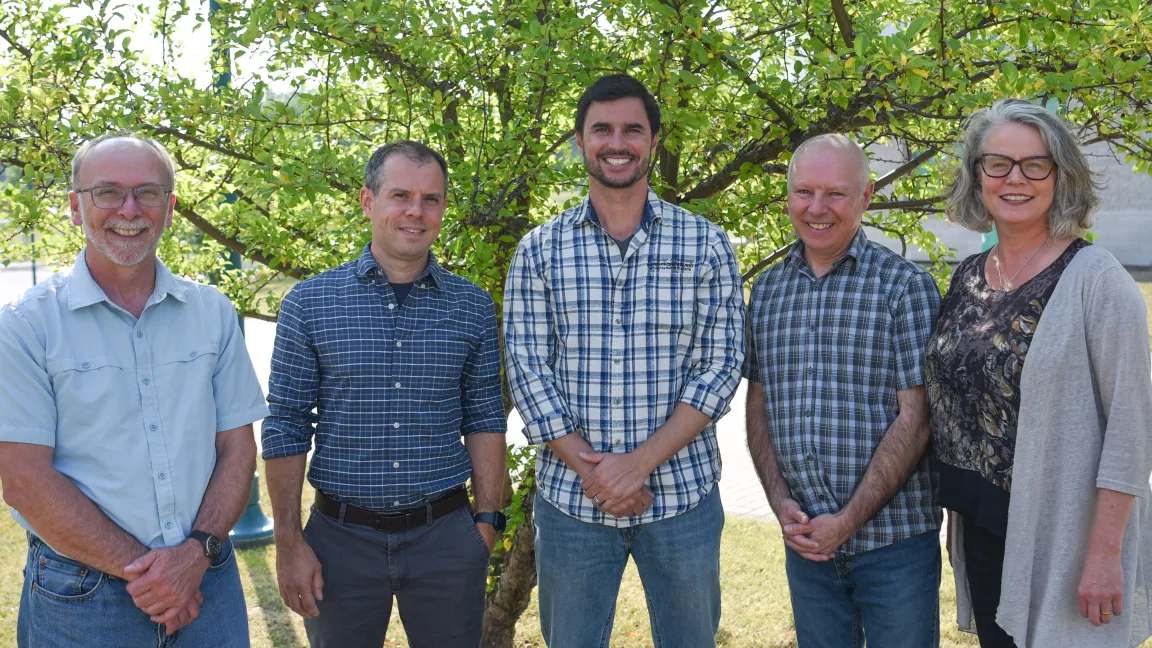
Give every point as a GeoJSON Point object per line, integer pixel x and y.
{"type": "Point", "coordinates": [514, 589]}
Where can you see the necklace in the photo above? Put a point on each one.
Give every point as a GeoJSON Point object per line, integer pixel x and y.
{"type": "Point", "coordinates": [1000, 262]}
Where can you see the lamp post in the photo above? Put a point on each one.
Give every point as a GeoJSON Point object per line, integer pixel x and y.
{"type": "Point", "coordinates": [254, 527]}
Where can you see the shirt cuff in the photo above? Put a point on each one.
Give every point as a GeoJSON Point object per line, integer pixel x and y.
{"type": "Point", "coordinates": [25, 434]}
{"type": "Point", "coordinates": [548, 429]}
{"type": "Point", "coordinates": [707, 400]}
{"type": "Point", "coordinates": [232, 420]}
{"type": "Point", "coordinates": [277, 444]}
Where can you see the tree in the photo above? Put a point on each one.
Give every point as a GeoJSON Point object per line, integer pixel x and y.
{"type": "Point", "coordinates": [493, 84]}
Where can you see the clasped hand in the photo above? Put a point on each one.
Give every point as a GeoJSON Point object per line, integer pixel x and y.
{"type": "Point", "coordinates": [815, 538]}
{"type": "Point", "coordinates": [616, 484]}
{"type": "Point", "coordinates": [165, 584]}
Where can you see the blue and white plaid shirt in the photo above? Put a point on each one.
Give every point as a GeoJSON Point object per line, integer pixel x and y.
{"type": "Point", "coordinates": [831, 353]}
{"type": "Point", "coordinates": [606, 346]}
{"type": "Point", "coordinates": [393, 387]}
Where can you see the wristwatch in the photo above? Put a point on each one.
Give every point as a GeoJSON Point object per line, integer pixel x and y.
{"type": "Point", "coordinates": [211, 543]}
{"type": "Point", "coordinates": [498, 520]}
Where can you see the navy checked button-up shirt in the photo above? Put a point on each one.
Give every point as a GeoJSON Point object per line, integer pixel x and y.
{"type": "Point", "coordinates": [606, 345]}
{"type": "Point", "coordinates": [831, 353]}
{"type": "Point", "coordinates": [387, 390]}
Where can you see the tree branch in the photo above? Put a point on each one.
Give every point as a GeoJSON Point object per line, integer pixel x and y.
{"type": "Point", "coordinates": [904, 169]}
{"type": "Point", "coordinates": [27, 53]}
{"type": "Point", "coordinates": [907, 204]}
{"type": "Point", "coordinates": [843, 21]}
{"type": "Point", "coordinates": [764, 263]}
{"type": "Point", "coordinates": [236, 246]}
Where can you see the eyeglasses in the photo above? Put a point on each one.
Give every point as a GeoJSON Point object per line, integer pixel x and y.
{"type": "Point", "coordinates": [1035, 167]}
{"type": "Point", "coordinates": [114, 197]}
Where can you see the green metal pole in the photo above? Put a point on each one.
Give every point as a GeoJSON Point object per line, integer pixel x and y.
{"type": "Point", "coordinates": [254, 527]}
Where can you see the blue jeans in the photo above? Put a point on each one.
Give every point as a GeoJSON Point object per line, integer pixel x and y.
{"type": "Point", "coordinates": [579, 566]}
{"type": "Point", "coordinates": [67, 604]}
{"type": "Point", "coordinates": [889, 596]}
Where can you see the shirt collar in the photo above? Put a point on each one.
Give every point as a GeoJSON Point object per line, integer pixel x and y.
{"type": "Point", "coordinates": [366, 266]}
{"type": "Point", "coordinates": [653, 211]}
{"type": "Point", "coordinates": [84, 291]}
{"type": "Point", "coordinates": [855, 252]}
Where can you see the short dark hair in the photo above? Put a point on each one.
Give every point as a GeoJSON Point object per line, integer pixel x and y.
{"type": "Point", "coordinates": [617, 86]}
{"type": "Point", "coordinates": [417, 152]}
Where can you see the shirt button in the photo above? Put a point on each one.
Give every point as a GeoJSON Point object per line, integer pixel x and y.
{"type": "Point", "coordinates": [808, 412]}
{"type": "Point", "coordinates": [397, 385]}
{"type": "Point", "coordinates": [162, 475]}
{"type": "Point", "coordinates": [139, 334]}
{"type": "Point", "coordinates": [152, 427]}
{"type": "Point", "coordinates": [146, 381]}
{"type": "Point", "coordinates": [395, 425]}
{"type": "Point", "coordinates": [810, 458]}
{"type": "Point", "coordinates": [812, 327]}
{"type": "Point", "coordinates": [168, 524]}
{"type": "Point", "coordinates": [391, 306]}
{"type": "Point", "coordinates": [192, 355]}
{"type": "Point", "coordinates": [396, 464]}
{"type": "Point", "coordinates": [395, 503]}
{"type": "Point", "coordinates": [85, 365]}
{"type": "Point", "coordinates": [617, 401]}
{"type": "Point", "coordinates": [811, 371]}
{"type": "Point", "coordinates": [399, 343]}
{"type": "Point", "coordinates": [617, 320]}
{"type": "Point", "coordinates": [618, 360]}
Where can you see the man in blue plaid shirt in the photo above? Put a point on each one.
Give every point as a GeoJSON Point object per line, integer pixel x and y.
{"type": "Point", "coordinates": [624, 336]}
{"type": "Point", "coordinates": [387, 361]}
{"type": "Point", "coordinates": [837, 415]}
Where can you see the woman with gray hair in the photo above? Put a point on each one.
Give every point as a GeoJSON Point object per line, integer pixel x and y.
{"type": "Point", "coordinates": [1040, 394]}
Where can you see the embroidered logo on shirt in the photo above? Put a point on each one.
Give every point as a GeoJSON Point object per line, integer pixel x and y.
{"type": "Point", "coordinates": [672, 263]}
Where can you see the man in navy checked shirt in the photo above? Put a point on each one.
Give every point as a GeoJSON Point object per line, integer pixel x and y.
{"type": "Point", "coordinates": [624, 335]}
{"type": "Point", "coordinates": [837, 415]}
{"type": "Point", "coordinates": [386, 362]}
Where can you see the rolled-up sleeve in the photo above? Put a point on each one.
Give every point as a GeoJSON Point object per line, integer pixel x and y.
{"type": "Point", "coordinates": [481, 403]}
{"type": "Point", "coordinates": [718, 343]}
{"type": "Point", "coordinates": [913, 317]}
{"type": "Point", "coordinates": [529, 347]}
{"type": "Point", "coordinates": [27, 402]}
{"type": "Point", "coordinates": [1117, 321]}
{"type": "Point", "coordinates": [293, 384]}
{"type": "Point", "coordinates": [235, 388]}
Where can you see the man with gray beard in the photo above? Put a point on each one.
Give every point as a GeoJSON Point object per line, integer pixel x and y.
{"type": "Point", "coordinates": [126, 411]}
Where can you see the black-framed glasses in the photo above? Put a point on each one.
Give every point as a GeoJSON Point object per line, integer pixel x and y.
{"type": "Point", "coordinates": [114, 197]}
{"type": "Point", "coordinates": [1034, 167]}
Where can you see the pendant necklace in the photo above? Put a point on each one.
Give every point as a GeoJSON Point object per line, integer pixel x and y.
{"type": "Point", "coordinates": [1000, 262]}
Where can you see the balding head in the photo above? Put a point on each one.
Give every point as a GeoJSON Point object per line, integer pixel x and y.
{"type": "Point", "coordinates": [839, 145]}
{"type": "Point", "coordinates": [91, 145]}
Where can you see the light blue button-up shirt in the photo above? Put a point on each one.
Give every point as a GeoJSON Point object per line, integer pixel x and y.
{"type": "Point", "coordinates": [131, 407]}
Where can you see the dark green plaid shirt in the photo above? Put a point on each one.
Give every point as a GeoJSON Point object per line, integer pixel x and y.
{"type": "Point", "coordinates": [831, 353]}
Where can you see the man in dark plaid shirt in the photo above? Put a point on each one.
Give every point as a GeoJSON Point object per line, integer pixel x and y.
{"type": "Point", "coordinates": [624, 334]}
{"type": "Point", "coordinates": [387, 361]}
{"type": "Point", "coordinates": [837, 414]}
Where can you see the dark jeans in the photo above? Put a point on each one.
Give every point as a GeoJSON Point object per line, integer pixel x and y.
{"type": "Point", "coordinates": [437, 572]}
{"type": "Point", "coordinates": [984, 561]}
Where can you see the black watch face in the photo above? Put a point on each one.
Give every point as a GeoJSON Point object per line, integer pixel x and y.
{"type": "Point", "coordinates": [212, 547]}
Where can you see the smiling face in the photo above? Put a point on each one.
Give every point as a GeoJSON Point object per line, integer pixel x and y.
{"type": "Point", "coordinates": [826, 202]}
{"type": "Point", "coordinates": [1014, 200]}
{"type": "Point", "coordinates": [617, 142]}
{"type": "Point", "coordinates": [127, 235]}
{"type": "Point", "coordinates": [406, 212]}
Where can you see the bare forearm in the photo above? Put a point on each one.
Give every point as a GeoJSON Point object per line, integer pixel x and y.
{"type": "Point", "coordinates": [231, 482]}
{"type": "Point", "coordinates": [894, 460]}
{"type": "Point", "coordinates": [488, 452]}
{"type": "Point", "coordinates": [568, 448]}
{"type": "Point", "coordinates": [1112, 511]}
{"type": "Point", "coordinates": [678, 431]}
{"type": "Point", "coordinates": [761, 449]}
{"type": "Point", "coordinates": [285, 476]}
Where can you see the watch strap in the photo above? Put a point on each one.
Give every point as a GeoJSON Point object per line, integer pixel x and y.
{"type": "Point", "coordinates": [205, 538]}
{"type": "Point", "coordinates": [497, 519]}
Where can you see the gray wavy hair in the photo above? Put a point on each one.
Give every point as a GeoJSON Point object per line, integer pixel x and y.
{"type": "Point", "coordinates": [1076, 187]}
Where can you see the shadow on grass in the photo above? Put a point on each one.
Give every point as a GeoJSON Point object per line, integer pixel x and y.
{"type": "Point", "coordinates": [276, 615]}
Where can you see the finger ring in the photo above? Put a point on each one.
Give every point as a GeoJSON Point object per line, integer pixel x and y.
{"type": "Point", "coordinates": [1103, 613]}
{"type": "Point", "coordinates": [596, 498]}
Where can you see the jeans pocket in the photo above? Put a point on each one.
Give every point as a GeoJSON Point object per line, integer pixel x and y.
{"type": "Point", "coordinates": [64, 580]}
{"type": "Point", "coordinates": [227, 555]}
{"type": "Point", "coordinates": [474, 530]}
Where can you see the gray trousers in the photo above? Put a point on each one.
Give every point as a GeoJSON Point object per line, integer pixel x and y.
{"type": "Point", "coordinates": [437, 572]}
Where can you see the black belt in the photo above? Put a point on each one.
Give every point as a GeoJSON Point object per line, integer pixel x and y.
{"type": "Point", "coordinates": [400, 520]}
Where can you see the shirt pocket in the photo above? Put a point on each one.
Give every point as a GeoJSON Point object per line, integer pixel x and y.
{"type": "Point", "coordinates": [87, 381]}
{"type": "Point", "coordinates": [187, 370]}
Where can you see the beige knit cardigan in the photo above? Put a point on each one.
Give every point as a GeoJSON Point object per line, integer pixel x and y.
{"type": "Point", "coordinates": [1085, 423]}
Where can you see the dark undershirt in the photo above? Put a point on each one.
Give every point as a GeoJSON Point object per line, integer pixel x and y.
{"type": "Point", "coordinates": [401, 290]}
{"type": "Point", "coordinates": [622, 244]}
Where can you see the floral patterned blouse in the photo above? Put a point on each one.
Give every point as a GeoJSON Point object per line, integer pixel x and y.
{"type": "Point", "coordinates": [973, 365]}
